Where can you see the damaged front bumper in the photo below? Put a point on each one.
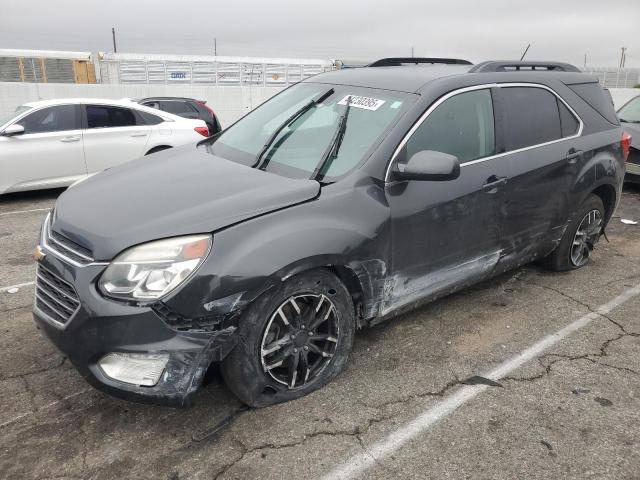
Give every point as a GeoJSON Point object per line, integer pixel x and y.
{"type": "Point", "coordinates": [99, 327]}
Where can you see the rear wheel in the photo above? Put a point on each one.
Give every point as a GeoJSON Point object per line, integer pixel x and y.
{"type": "Point", "coordinates": [579, 238]}
{"type": "Point", "coordinates": [293, 340]}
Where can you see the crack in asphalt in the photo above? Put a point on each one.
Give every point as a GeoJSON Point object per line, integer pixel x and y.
{"type": "Point", "coordinates": [357, 432]}
{"type": "Point", "coordinates": [60, 363]}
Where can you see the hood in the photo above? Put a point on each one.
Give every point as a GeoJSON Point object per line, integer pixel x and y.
{"type": "Point", "coordinates": [634, 131]}
{"type": "Point", "coordinates": [179, 191]}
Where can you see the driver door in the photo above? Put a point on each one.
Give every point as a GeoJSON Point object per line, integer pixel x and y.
{"type": "Point", "coordinates": [448, 233]}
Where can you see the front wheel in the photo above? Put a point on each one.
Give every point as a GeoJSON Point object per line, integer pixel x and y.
{"type": "Point", "coordinates": [580, 237]}
{"type": "Point", "coordinates": [293, 340]}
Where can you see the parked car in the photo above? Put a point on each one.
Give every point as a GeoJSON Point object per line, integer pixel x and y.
{"type": "Point", "coordinates": [54, 143]}
{"type": "Point", "coordinates": [345, 200]}
{"type": "Point", "coordinates": [629, 115]}
{"type": "Point", "coordinates": [185, 107]}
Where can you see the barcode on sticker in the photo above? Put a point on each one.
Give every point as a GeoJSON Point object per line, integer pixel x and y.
{"type": "Point", "coordinates": [367, 103]}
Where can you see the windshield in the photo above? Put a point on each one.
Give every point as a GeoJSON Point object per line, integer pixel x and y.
{"type": "Point", "coordinates": [301, 144]}
{"type": "Point", "coordinates": [630, 112]}
{"type": "Point", "coordinates": [7, 117]}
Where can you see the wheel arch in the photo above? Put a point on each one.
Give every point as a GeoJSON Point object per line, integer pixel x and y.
{"type": "Point", "coordinates": [158, 148]}
{"type": "Point", "coordinates": [607, 194]}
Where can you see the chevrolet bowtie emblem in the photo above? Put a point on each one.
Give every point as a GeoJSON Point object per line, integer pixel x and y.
{"type": "Point", "coordinates": [39, 254]}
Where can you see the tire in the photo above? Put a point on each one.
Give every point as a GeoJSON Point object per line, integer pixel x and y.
{"type": "Point", "coordinates": [253, 378]}
{"type": "Point", "coordinates": [563, 258]}
{"type": "Point", "coordinates": [157, 149]}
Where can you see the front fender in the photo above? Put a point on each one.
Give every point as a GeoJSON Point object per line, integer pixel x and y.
{"type": "Point", "coordinates": [347, 227]}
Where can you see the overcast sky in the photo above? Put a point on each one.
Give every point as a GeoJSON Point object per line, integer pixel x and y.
{"type": "Point", "coordinates": [345, 29]}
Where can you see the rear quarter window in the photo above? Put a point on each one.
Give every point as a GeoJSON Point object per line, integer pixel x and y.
{"type": "Point", "coordinates": [594, 95]}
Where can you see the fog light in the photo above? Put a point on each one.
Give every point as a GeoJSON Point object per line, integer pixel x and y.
{"type": "Point", "coordinates": [136, 368]}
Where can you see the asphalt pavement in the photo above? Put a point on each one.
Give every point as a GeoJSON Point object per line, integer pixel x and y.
{"type": "Point", "coordinates": [562, 351]}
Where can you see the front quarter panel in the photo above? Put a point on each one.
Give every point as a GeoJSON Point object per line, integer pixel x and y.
{"type": "Point", "coordinates": [346, 226]}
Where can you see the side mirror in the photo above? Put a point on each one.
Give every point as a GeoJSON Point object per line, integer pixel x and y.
{"type": "Point", "coordinates": [13, 130]}
{"type": "Point", "coordinates": [429, 165]}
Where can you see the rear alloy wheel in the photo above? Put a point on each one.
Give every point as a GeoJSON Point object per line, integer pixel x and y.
{"type": "Point", "coordinates": [293, 339]}
{"type": "Point", "coordinates": [580, 237]}
{"type": "Point", "coordinates": [586, 237]}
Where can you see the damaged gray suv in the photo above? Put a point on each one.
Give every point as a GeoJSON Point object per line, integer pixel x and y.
{"type": "Point", "coordinates": [343, 201]}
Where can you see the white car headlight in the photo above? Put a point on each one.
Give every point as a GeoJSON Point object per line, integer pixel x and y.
{"type": "Point", "coordinates": [151, 270]}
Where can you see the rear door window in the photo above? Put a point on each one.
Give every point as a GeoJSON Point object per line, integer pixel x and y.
{"type": "Point", "coordinates": [103, 116]}
{"type": "Point", "coordinates": [462, 125]}
{"type": "Point", "coordinates": [59, 118]}
{"type": "Point", "coordinates": [532, 117]}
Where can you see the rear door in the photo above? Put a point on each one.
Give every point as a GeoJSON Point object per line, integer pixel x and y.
{"type": "Point", "coordinates": [540, 138]}
{"type": "Point", "coordinates": [446, 233]}
{"type": "Point", "coordinates": [48, 153]}
{"type": "Point", "coordinates": [112, 135]}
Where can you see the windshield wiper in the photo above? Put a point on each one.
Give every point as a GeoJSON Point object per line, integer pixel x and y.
{"type": "Point", "coordinates": [629, 121]}
{"type": "Point", "coordinates": [331, 153]}
{"type": "Point", "coordinates": [304, 109]}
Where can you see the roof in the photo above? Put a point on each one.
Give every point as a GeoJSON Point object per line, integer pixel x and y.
{"type": "Point", "coordinates": [123, 102]}
{"type": "Point", "coordinates": [413, 79]}
{"type": "Point", "coordinates": [405, 79]}
{"type": "Point", "coordinates": [12, 52]}
{"type": "Point", "coordinates": [59, 101]}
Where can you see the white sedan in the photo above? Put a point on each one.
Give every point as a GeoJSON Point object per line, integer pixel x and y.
{"type": "Point", "coordinates": [54, 143]}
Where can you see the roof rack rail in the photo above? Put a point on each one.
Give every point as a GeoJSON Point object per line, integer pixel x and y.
{"type": "Point", "coordinates": [400, 61]}
{"type": "Point", "coordinates": [517, 65]}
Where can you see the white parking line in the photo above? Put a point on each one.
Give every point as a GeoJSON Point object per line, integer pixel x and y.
{"type": "Point", "coordinates": [380, 450]}
{"type": "Point", "coordinates": [17, 285]}
{"type": "Point", "coordinates": [14, 212]}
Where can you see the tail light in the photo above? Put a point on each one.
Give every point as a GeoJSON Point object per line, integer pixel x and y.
{"type": "Point", "coordinates": [204, 131]}
{"type": "Point", "coordinates": [204, 104]}
{"type": "Point", "coordinates": [625, 143]}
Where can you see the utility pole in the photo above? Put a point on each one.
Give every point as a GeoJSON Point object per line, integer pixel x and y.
{"type": "Point", "coordinates": [585, 60]}
{"type": "Point", "coordinates": [622, 56]}
{"type": "Point", "coordinates": [215, 47]}
{"type": "Point", "coordinates": [525, 52]}
{"type": "Point", "coordinates": [113, 34]}
{"type": "Point", "coordinates": [411, 52]}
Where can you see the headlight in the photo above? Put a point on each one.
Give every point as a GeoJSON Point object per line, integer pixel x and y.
{"type": "Point", "coordinates": [151, 270]}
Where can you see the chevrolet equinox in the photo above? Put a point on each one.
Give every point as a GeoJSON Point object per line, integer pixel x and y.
{"type": "Point", "coordinates": [343, 201]}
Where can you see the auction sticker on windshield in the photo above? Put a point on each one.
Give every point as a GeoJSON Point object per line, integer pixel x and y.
{"type": "Point", "coordinates": [367, 103]}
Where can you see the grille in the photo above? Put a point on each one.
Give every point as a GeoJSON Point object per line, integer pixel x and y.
{"type": "Point", "coordinates": [67, 249]}
{"type": "Point", "coordinates": [54, 296]}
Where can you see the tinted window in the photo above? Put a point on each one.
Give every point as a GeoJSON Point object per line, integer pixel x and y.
{"type": "Point", "coordinates": [147, 118]}
{"type": "Point", "coordinates": [155, 105]}
{"type": "Point", "coordinates": [52, 119]}
{"type": "Point", "coordinates": [595, 96]}
{"type": "Point", "coordinates": [101, 116]}
{"type": "Point", "coordinates": [568, 122]}
{"type": "Point", "coordinates": [462, 126]}
{"type": "Point", "coordinates": [178, 108]}
{"type": "Point", "coordinates": [532, 117]}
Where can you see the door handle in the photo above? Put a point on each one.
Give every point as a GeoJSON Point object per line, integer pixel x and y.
{"type": "Point", "coordinates": [573, 155]}
{"type": "Point", "coordinates": [139, 134]}
{"type": "Point", "coordinates": [69, 139]}
{"type": "Point", "coordinates": [493, 182]}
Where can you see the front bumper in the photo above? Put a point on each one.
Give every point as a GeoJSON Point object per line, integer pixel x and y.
{"type": "Point", "coordinates": [100, 326]}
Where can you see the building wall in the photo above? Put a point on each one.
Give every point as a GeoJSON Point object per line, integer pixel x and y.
{"type": "Point", "coordinates": [229, 103]}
